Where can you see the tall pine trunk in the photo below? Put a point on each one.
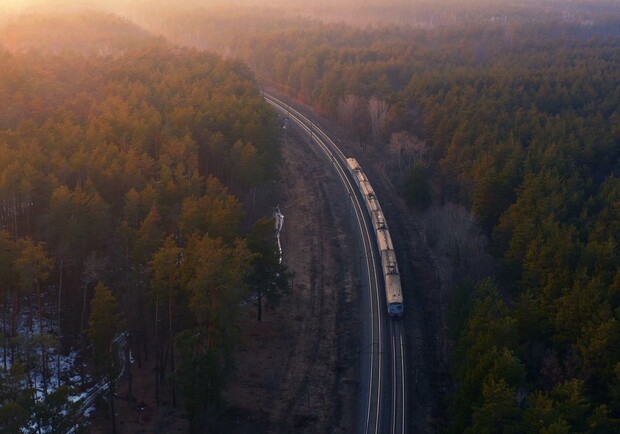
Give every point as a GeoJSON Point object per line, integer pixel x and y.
{"type": "Point", "coordinates": [41, 333]}
{"type": "Point", "coordinates": [171, 343]}
{"type": "Point", "coordinates": [111, 387]}
{"type": "Point", "coordinates": [58, 324]}
{"type": "Point", "coordinates": [156, 349]}
{"type": "Point", "coordinates": [82, 346]}
{"type": "Point", "coordinates": [128, 367]}
{"type": "Point", "coordinates": [4, 330]}
{"type": "Point", "coordinates": [16, 308]}
{"type": "Point", "coordinates": [260, 305]}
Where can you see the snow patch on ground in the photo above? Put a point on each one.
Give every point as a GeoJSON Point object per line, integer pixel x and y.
{"type": "Point", "coordinates": [62, 369]}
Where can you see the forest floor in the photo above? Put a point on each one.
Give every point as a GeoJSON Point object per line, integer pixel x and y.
{"type": "Point", "coordinates": [297, 367]}
{"type": "Point", "coordinates": [142, 414]}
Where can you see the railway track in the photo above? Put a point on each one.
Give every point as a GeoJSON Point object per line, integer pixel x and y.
{"type": "Point", "coordinates": [383, 404]}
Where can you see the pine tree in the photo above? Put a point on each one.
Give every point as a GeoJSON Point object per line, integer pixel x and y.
{"type": "Point", "coordinates": [104, 326]}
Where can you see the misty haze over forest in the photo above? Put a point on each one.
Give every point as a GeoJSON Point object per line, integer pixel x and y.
{"type": "Point", "coordinates": [363, 12]}
{"type": "Point", "coordinates": [139, 169]}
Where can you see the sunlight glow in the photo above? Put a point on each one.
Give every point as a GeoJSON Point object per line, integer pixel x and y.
{"type": "Point", "coordinates": [18, 4]}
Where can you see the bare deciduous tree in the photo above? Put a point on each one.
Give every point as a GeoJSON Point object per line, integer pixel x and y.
{"type": "Point", "coordinates": [407, 149]}
{"type": "Point", "coordinates": [346, 109]}
{"type": "Point", "coordinates": [459, 241]}
{"type": "Point", "coordinates": [377, 109]}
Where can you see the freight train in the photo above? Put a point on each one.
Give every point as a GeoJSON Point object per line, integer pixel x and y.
{"type": "Point", "coordinates": [389, 266]}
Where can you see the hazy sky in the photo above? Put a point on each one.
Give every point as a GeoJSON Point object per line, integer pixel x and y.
{"type": "Point", "coordinates": [121, 6]}
{"type": "Point", "coordinates": [20, 4]}
{"type": "Point", "coordinates": [31, 5]}
{"type": "Point", "coordinates": [55, 4]}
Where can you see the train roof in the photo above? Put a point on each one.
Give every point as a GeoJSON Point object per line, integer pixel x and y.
{"type": "Point", "coordinates": [384, 240]}
{"type": "Point", "coordinates": [393, 290]}
{"type": "Point", "coordinates": [388, 262]}
{"type": "Point", "coordinates": [353, 164]}
{"type": "Point", "coordinates": [378, 219]}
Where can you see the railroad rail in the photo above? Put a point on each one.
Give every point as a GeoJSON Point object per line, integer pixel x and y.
{"type": "Point", "coordinates": [383, 404]}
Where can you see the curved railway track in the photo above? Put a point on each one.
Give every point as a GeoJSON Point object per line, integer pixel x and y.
{"type": "Point", "coordinates": [382, 403]}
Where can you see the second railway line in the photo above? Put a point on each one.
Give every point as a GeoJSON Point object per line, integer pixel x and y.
{"type": "Point", "coordinates": [383, 404]}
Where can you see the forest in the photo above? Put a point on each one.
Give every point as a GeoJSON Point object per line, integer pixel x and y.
{"type": "Point", "coordinates": [512, 114]}
{"type": "Point", "coordinates": [122, 156]}
{"type": "Point", "coordinates": [134, 215]}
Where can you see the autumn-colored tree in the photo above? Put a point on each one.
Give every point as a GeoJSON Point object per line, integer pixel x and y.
{"type": "Point", "coordinates": [377, 110]}
{"type": "Point", "coordinates": [165, 281]}
{"type": "Point", "coordinates": [104, 328]}
{"type": "Point", "coordinates": [33, 267]}
{"type": "Point", "coordinates": [217, 212]}
{"type": "Point", "coordinates": [269, 277]}
{"type": "Point", "coordinates": [105, 157]}
{"type": "Point", "coordinates": [8, 290]}
{"type": "Point", "coordinates": [417, 189]}
{"type": "Point", "coordinates": [213, 275]}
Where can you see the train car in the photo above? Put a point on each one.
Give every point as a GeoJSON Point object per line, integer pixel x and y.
{"type": "Point", "coordinates": [388, 262]}
{"type": "Point", "coordinates": [378, 221]}
{"type": "Point", "coordinates": [389, 266]}
{"type": "Point", "coordinates": [367, 191]}
{"type": "Point", "coordinates": [372, 204]}
{"type": "Point", "coordinates": [394, 295]}
{"type": "Point", "coordinates": [391, 275]}
{"type": "Point", "coordinates": [354, 166]}
{"type": "Point", "coordinates": [384, 241]}
{"type": "Point", "coordinates": [370, 199]}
